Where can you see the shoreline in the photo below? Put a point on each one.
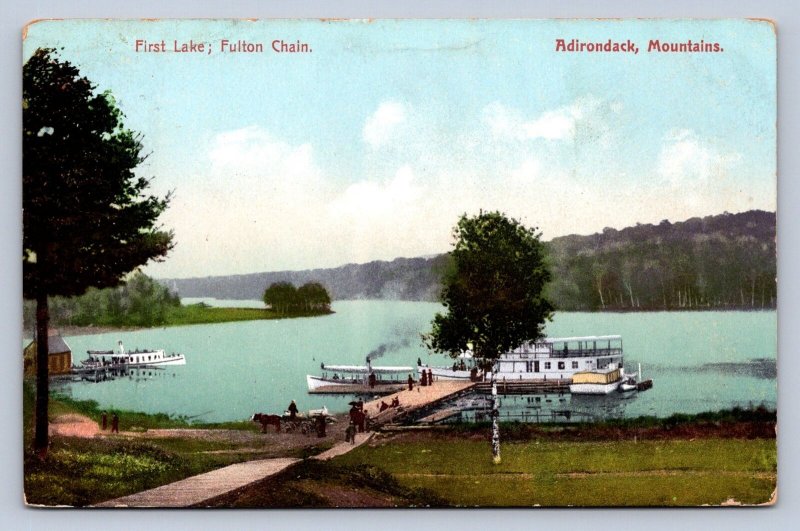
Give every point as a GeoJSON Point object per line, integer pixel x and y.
{"type": "Point", "coordinates": [210, 315]}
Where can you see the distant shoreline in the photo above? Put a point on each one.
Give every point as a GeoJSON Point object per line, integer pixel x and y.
{"type": "Point", "coordinates": [73, 330]}
{"type": "Point", "coordinates": [190, 315]}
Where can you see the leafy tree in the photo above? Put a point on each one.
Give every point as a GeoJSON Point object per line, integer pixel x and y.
{"type": "Point", "coordinates": [87, 220]}
{"type": "Point", "coordinates": [314, 297]}
{"type": "Point", "coordinates": [281, 296]}
{"type": "Point", "coordinates": [494, 290]}
{"type": "Point", "coordinates": [285, 299]}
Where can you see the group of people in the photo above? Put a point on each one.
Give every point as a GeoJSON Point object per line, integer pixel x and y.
{"type": "Point", "coordinates": [114, 422]}
{"type": "Point", "coordinates": [358, 420]}
{"type": "Point", "coordinates": [426, 378]}
{"type": "Point", "coordinates": [459, 366]}
{"type": "Point", "coordinates": [395, 403]}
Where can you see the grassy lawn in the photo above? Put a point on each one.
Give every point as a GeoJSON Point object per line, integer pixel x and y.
{"type": "Point", "coordinates": [677, 462]}
{"type": "Point", "coordinates": [618, 473]}
{"type": "Point", "coordinates": [83, 471]}
{"type": "Point", "coordinates": [202, 314]}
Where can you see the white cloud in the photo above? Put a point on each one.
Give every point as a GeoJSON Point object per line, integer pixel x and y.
{"type": "Point", "coordinates": [685, 159]}
{"type": "Point", "coordinates": [369, 201]}
{"type": "Point", "coordinates": [379, 126]}
{"type": "Point", "coordinates": [557, 124]}
{"type": "Point", "coordinates": [253, 155]}
{"type": "Point", "coordinates": [262, 203]}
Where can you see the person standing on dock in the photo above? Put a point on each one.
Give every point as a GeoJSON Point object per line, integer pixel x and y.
{"type": "Point", "coordinates": [104, 421]}
{"type": "Point", "coordinates": [410, 383]}
{"type": "Point", "coordinates": [292, 410]}
{"type": "Point", "coordinates": [423, 379]}
{"type": "Point", "coordinates": [114, 423]}
{"type": "Point", "coordinates": [430, 377]}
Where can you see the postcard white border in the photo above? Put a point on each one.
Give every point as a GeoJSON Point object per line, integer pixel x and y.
{"type": "Point", "coordinates": [16, 516]}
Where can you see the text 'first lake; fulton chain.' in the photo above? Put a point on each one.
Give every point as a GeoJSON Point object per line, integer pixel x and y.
{"type": "Point", "coordinates": [222, 46]}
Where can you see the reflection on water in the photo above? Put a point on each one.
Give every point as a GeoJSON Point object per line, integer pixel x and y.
{"type": "Point", "coordinates": [762, 368]}
{"type": "Point", "coordinates": [560, 407]}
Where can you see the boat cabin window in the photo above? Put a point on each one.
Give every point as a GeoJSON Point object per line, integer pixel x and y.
{"type": "Point", "coordinates": [574, 364]}
{"type": "Point", "coordinates": [546, 365]}
{"type": "Point", "coordinates": [560, 364]}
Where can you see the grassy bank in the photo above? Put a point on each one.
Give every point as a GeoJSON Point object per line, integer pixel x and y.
{"type": "Point", "coordinates": [203, 314]}
{"type": "Point", "coordinates": [679, 461]}
{"type": "Point", "coordinates": [82, 471]}
{"type": "Point", "coordinates": [609, 473]}
{"type": "Point", "coordinates": [191, 314]}
{"type": "Point", "coordinates": [684, 460]}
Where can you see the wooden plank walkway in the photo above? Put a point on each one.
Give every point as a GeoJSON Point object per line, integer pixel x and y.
{"type": "Point", "coordinates": [197, 489]}
{"type": "Point", "coordinates": [440, 416]}
{"type": "Point", "coordinates": [415, 399]}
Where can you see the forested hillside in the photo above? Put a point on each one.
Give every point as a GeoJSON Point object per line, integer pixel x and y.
{"type": "Point", "coordinates": [723, 261]}
{"type": "Point", "coordinates": [400, 279]}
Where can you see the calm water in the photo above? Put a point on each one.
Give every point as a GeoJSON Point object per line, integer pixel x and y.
{"type": "Point", "coordinates": [699, 361]}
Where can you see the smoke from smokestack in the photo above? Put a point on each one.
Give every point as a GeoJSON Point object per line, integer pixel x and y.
{"type": "Point", "coordinates": [387, 347]}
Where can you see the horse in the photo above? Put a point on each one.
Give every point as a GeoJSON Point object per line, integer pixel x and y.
{"type": "Point", "coordinates": [266, 420]}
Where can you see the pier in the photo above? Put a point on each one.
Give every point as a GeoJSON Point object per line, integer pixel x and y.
{"type": "Point", "coordinates": [524, 387]}
{"type": "Point", "coordinates": [105, 372]}
{"type": "Point", "coordinates": [416, 401]}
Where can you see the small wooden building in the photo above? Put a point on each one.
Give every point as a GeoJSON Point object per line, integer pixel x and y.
{"type": "Point", "coordinates": [60, 355]}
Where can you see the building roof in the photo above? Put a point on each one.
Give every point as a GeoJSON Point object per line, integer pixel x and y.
{"type": "Point", "coordinates": [55, 343]}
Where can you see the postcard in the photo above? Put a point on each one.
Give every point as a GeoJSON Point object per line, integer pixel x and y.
{"type": "Point", "coordinates": [399, 263]}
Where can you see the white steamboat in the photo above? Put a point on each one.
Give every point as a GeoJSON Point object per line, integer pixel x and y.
{"type": "Point", "coordinates": [128, 359]}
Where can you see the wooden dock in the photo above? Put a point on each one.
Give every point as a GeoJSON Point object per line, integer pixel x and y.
{"type": "Point", "coordinates": [415, 401]}
{"type": "Point", "coordinates": [523, 387]}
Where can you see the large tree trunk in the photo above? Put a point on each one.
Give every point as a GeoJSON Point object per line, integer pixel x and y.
{"type": "Point", "coordinates": [42, 377]}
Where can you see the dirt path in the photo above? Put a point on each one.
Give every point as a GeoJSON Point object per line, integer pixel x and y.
{"type": "Point", "coordinates": [73, 425]}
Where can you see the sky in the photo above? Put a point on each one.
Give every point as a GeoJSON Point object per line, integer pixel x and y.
{"type": "Point", "coordinates": [371, 145]}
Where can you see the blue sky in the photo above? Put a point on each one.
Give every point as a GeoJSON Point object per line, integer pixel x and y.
{"type": "Point", "coordinates": [373, 144]}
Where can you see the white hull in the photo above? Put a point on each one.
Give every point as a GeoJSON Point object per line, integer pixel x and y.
{"type": "Point", "coordinates": [178, 359]}
{"type": "Point", "coordinates": [315, 382]}
{"type": "Point", "coordinates": [123, 359]}
{"type": "Point", "coordinates": [593, 389]}
{"type": "Point", "coordinates": [446, 373]}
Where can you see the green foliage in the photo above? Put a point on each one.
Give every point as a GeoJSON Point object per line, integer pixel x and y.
{"type": "Point", "coordinates": [285, 299]}
{"type": "Point", "coordinates": [494, 291]}
{"type": "Point", "coordinates": [86, 217]}
{"type": "Point", "coordinates": [140, 302]}
{"type": "Point", "coordinates": [725, 261]}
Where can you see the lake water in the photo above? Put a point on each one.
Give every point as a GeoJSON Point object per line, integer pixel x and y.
{"type": "Point", "coordinates": [699, 361]}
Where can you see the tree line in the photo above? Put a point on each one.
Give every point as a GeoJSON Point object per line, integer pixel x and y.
{"type": "Point", "coordinates": [285, 299]}
{"type": "Point", "coordinates": [141, 301]}
{"type": "Point", "coordinates": [725, 262]}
